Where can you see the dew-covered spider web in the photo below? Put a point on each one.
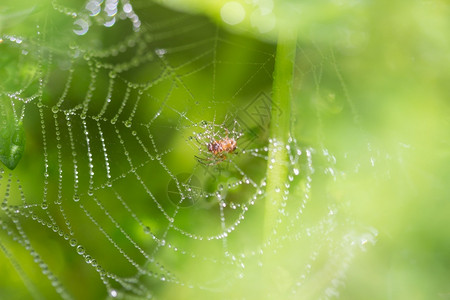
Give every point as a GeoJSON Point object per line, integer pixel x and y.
{"type": "Point", "coordinates": [117, 194]}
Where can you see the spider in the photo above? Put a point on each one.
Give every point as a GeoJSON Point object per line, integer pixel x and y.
{"type": "Point", "coordinates": [219, 150]}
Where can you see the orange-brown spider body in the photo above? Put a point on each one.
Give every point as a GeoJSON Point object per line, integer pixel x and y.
{"type": "Point", "coordinates": [218, 148]}
{"type": "Point", "coordinates": [221, 147]}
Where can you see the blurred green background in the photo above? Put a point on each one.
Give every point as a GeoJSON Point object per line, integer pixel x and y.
{"type": "Point", "coordinates": [370, 86]}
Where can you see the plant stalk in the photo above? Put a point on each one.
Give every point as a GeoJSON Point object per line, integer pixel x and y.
{"type": "Point", "coordinates": [277, 170]}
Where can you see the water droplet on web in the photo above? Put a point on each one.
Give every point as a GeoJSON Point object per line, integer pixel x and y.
{"type": "Point", "coordinates": [127, 123]}
{"type": "Point", "coordinates": [100, 270]}
{"type": "Point", "coordinates": [44, 205]}
{"type": "Point", "coordinates": [296, 171]}
{"type": "Point", "coordinates": [160, 52]}
{"type": "Point", "coordinates": [76, 198]}
{"type": "Point", "coordinates": [113, 293]}
{"type": "Point", "coordinates": [88, 259]}
{"type": "Point", "coordinates": [82, 27]}
{"type": "Point", "coordinates": [55, 109]}
{"type": "Point", "coordinates": [44, 268]}
{"type": "Point", "coordinates": [73, 242]}
{"type": "Point", "coordinates": [146, 230]}
{"type": "Point", "coordinates": [80, 250]}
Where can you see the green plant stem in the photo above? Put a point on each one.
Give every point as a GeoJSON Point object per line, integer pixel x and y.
{"type": "Point", "coordinates": [277, 170]}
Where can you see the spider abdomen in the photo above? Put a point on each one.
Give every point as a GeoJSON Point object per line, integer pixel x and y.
{"type": "Point", "coordinates": [215, 147]}
{"type": "Point", "coordinates": [218, 147]}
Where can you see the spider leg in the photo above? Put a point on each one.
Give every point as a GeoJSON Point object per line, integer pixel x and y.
{"type": "Point", "coordinates": [199, 142]}
{"type": "Point", "coordinates": [211, 161]}
{"type": "Point", "coordinates": [205, 161]}
{"type": "Point", "coordinates": [220, 158]}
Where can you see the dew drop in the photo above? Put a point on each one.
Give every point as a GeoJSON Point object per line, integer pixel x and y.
{"type": "Point", "coordinates": [160, 52]}
{"type": "Point", "coordinates": [88, 259]}
{"type": "Point", "coordinates": [80, 250]}
{"type": "Point", "coordinates": [73, 242]}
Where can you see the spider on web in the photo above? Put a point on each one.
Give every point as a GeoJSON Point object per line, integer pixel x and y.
{"type": "Point", "coordinates": [215, 146]}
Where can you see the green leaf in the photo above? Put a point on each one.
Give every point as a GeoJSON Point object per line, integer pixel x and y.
{"type": "Point", "coordinates": [12, 135]}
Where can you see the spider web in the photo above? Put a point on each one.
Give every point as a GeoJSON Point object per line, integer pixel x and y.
{"type": "Point", "coordinates": [110, 194]}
